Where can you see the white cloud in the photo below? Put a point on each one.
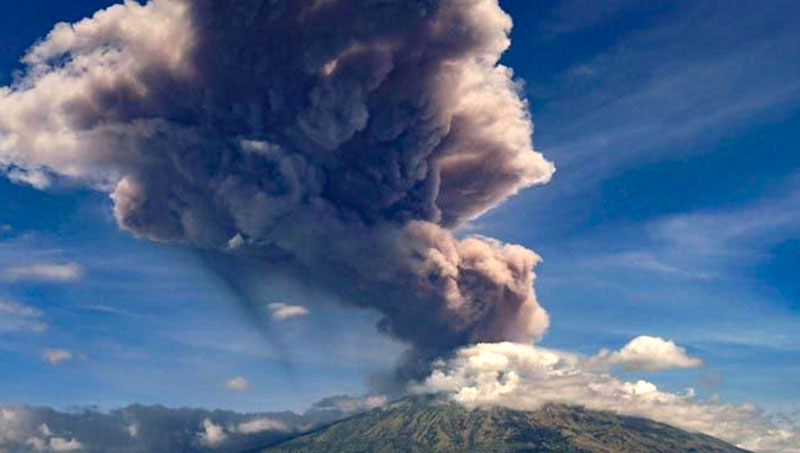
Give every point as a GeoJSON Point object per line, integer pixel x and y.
{"type": "Point", "coordinates": [34, 178]}
{"type": "Point", "coordinates": [12, 420]}
{"type": "Point", "coordinates": [16, 317]}
{"type": "Point", "coordinates": [212, 435]}
{"type": "Point", "coordinates": [45, 430]}
{"type": "Point", "coordinates": [645, 353]}
{"type": "Point", "coordinates": [35, 443]}
{"type": "Point", "coordinates": [260, 425]}
{"type": "Point", "coordinates": [61, 444]}
{"type": "Point", "coordinates": [238, 384]}
{"type": "Point", "coordinates": [18, 310]}
{"type": "Point", "coordinates": [281, 312]}
{"type": "Point", "coordinates": [56, 356]}
{"type": "Point", "coordinates": [525, 377]}
{"type": "Point", "coordinates": [236, 242]}
{"type": "Point", "coordinates": [48, 272]}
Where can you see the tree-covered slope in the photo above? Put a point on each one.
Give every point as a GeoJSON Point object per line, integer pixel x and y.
{"type": "Point", "coordinates": [423, 424]}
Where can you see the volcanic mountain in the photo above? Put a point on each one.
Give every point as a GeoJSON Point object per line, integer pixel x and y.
{"type": "Point", "coordinates": [430, 424]}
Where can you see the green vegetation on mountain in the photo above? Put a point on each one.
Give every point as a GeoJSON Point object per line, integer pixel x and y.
{"type": "Point", "coordinates": [426, 424]}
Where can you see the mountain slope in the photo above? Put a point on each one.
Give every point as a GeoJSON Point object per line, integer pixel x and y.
{"type": "Point", "coordinates": [425, 424]}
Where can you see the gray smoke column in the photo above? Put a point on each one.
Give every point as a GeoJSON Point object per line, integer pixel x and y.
{"type": "Point", "coordinates": [341, 140]}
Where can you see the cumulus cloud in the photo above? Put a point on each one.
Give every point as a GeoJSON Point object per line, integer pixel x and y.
{"type": "Point", "coordinates": [212, 435]}
{"type": "Point", "coordinates": [61, 444]}
{"type": "Point", "coordinates": [645, 353]}
{"type": "Point", "coordinates": [18, 317]}
{"type": "Point", "coordinates": [36, 443]}
{"type": "Point", "coordinates": [282, 312]}
{"type": "Point", "coordinates": [47, 272]}
{"type": "Point", "coordinates": [56, 356]}
{"type": "Point", "coordinates": [45, 430]}
{"type": "Point", "coordinates": [337, 141]}
{"type": "Point", "coordinates": [238, 384]}
{"type": "Point", "coordinates": [525, 377]}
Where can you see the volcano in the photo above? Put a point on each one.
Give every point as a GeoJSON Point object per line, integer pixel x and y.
{"type": "Point", "coordinates": [433, 424]}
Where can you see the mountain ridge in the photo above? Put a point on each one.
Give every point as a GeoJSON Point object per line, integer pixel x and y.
{"type": "Point", "coordinates": [429, 423]}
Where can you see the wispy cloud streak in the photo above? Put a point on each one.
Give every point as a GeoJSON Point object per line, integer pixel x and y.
{"type": "Point", "coordinates": [43, 272]}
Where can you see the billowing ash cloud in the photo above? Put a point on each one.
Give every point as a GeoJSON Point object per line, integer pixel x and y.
{"type": "Point", "coordinates": [343, 140]}
{"type": "Point", "coordinates": [157, 429]}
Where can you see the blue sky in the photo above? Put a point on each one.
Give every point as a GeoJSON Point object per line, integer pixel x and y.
{"type": "Point", "coordinates": [673, 213]}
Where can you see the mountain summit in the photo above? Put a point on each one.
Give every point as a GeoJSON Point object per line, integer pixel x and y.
{"type": "Point", "coordinates": [429, 424]}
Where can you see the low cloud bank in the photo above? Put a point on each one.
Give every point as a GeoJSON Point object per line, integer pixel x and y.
{"type": "Point", "coordinates": [157, 429]}
{"type": "Point", "coordinates": [525, 377]}
{"type": "Point", "coordinates": [517, 376]}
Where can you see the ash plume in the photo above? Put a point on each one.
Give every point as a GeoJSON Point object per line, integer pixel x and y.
{"type": "Point", "coordinates": [341, 141]}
